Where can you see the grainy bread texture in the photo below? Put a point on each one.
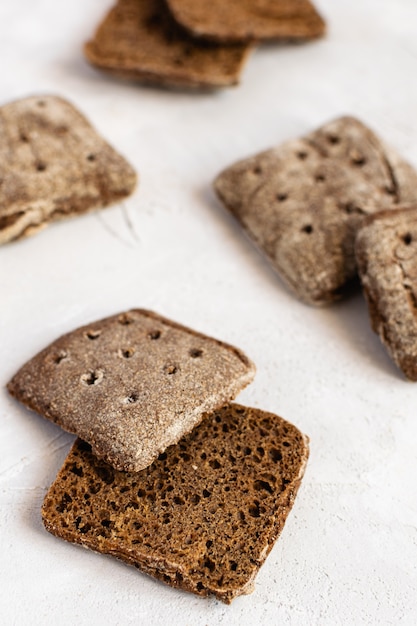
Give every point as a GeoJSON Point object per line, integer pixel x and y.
{"type": "Point", "coordinates": [203, 517]}
{"type": "Point", "coordinates": [245, 20]}
{"type": "Point", "coordinates": [53, 164]}
{"type": "Point", "coordinates": [139, 40]}
{"type": "Point", "coordinates": [303, 202]}
{"type": "Point", "coordinates": [386, 250]}
{"type": "Point", "coordinates": [131, 384]}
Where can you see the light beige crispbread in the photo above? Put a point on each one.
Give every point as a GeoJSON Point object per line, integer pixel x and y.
{"type": "Point", "coordinates": [53, 164]}
{"type": "Point", "coordinates": [386, 251]}
{"type": "Point", "coordinates": [303, 202]}
{"type": "Point", "coordinates": [203, 517]}
{"type": "Point", "coordinates": [245, 20]}
{"type": "Point", "coordinates": [139, 40]}
{"type": "Point", "coordinates": [131, 384]}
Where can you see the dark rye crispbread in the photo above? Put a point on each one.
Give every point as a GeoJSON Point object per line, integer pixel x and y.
{"type": "Point", "coordinates": [386, 252]}
{"type": "Point", "coordinates": [203, 517]}
{"type": "Point", "coordinates": [131, 384]}
{"type": "Point", "coordinates": [140, 40]}
{"type": "Point", "coordinates": [53, 164]}
{"type": "Point", "coordinates": [246, 20]}
{"type": "Point", "coordinates": [303, 202]}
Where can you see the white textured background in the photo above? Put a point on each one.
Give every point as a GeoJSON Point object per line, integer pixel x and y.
{"type": "Point", "coordinates": [348, 554]}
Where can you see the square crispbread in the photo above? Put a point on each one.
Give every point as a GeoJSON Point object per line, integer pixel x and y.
{"type": "Point", "coordinates": [131, 384]}
{"type": "Point", "coordinates": [203, 517]}
{"type": "Point", "coordinates": [386, 251]}
{"type": "Point", "coordinates": [139, 40]}
{"type": "Point", "coordinates": [246, 20]}
{"type": "Point", "coordinates": [303, 202]}
{"type": "Point", "coordinates": [53, 164]}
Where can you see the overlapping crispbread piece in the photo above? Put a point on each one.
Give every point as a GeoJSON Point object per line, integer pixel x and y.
{"type": "Point", "coordinates": [303, 202]}
{"type": "Point", "coordinates": [203, 517]}
{"type": "Point", "coordinates": [245, 20]}
{"type": "Point", "coordinates": [386, 250]}
{"type": "Point", "coordinates": [131, 384]}
{"type": "Point", "coordinates": [53, 164]}
{"type": "Point", "coordinates": [140, 40]}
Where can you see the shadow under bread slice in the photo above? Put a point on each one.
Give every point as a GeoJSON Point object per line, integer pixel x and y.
{"type": "Point", "coordinates": [386, 251]}
{"type": "Point", "coordinates": [245, 20]}
{"type": "Point", "coordinates": [203, 517]}
{"type": "Point", "coordinates": [131, 384]}
{"type": "Point", "coordinates": [53, 164]}
{"type": "Point", "coordinates": [139, 40]}
{"type": "Point", "coordinates": [303, 202]}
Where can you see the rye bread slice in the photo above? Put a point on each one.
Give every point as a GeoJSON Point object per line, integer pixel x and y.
{"type": "Point", "coordinates": [203, 517]}
{"type": "Point", "coordinates": [303, 202]}
{"type": "Point", "coordinates": [53, 164]}
{"type": "Point", "coordinates": [139, 40]}
{"type": "Point", "coordinates": [386, 251]}
{"type": "Point", "coordinates": [131, 384]}
{"type": "Point", "coordinates": [246, 20]}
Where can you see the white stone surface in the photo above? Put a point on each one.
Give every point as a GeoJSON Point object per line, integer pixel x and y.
{"type": "Point", "coordinates": [348, 554]}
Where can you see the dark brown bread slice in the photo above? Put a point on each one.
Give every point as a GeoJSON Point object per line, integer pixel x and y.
{"type": "Point", "coordinates": [139, 40]}
{"type": "Point", "coordinates": [303, 202]}
{"type": "Point", "coordinates": [203, 517]}
{"type": "Point", "coordinates": [245, 20]}
{"type": "Point", "coordinates": [131, 384]}
{"type": "Point", "coordinates": [53, 164]}
{"type": "Point", "coordinates": [386, 250]}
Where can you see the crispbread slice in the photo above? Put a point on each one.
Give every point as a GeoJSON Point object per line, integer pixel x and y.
{"type": "Point", "coordinates": [131, 384]}
{"type": "Point", "coordinates": [139, 40]}
{"type": "Point", "coordinates": [303, 202]}
{"type": "Point", "coordinates": [245, 20]}
{"type": "Point", "coordinates": [386, 251]}
{"type": "Point", "coordinates": [53, 164]}
{"type": "Point", "coordinates": [203, 517]}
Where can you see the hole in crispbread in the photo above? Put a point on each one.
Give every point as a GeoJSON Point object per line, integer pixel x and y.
{"type": "Point", "coordinates": [60, 356]}
{"type": "Point", "coordinates": [333, 139]}
{"type": "Point", "coordinates": [302, 155]}
{"type": "Point", "coordinates": [206, 493]}
{"type": "Point", "coordinates": [254, 510]}
{"type": "Point", "coordinates": [154, 334]}
{"type": "Point", "coordinates": [131, 399]}
{"type": "Point", "coordinates": [107, 523]}
{"type": "Point", "coordinates": [93, 334]}
{"type": "Point", "coordinates": [106, 474]}
{"type": "Point", "coordinates": [94, 377]}
{"type": "Point", "coordinates": [407, 239]}
{"type": "Point", "coordinates": [91, 157]}
{"type": "Point", "coordinates": [195, 353]}
{"type": "Point", "coordinates": [257, 170]}
{"type": "Point", "coordinates": [77, 470]}
{"type": "Point", "coordinates": [24, 138]}
{"type": "Point", "coordinates": [126, 353]}
{"type": "Point", "coordinates": [40, 166]}
{"type": "Point", "coordinates": [210, 565]}
{"type": "Point", "coordinates": [281, 197]}
{"type": "Point", "coordinates": [125, 319]}
{"type": "Point", "coordinates": [275, 455]}
{"type": "Point", "coordinates": [358, 160]}
{"type": "Point", "coordinates": [308, 229]}
{"type": "Point", "coordinates": [260, 485]}
{"type": "Point", "coordinates": [320, 178]}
